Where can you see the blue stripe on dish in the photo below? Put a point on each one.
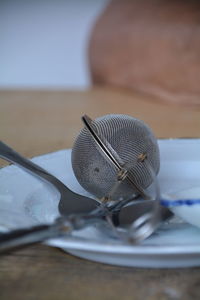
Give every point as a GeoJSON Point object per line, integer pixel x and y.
{"type": "Point", "coordinates": [179, 202]}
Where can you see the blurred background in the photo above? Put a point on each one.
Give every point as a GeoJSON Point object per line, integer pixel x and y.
{"type": "Point", "coordinates": [148, 46]}
{"type": "Point", "coordinates": [44, 43]}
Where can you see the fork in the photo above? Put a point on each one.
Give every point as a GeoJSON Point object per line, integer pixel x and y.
{"type": "Point", "coordinates": [70, 202]}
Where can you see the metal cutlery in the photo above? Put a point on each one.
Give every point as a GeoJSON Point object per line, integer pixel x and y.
{"type": "Point", "coordinates": [129, 219]}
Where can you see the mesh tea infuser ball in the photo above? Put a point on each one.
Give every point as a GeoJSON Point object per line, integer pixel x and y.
{"type": "Point", "coordinates": [112, 142]}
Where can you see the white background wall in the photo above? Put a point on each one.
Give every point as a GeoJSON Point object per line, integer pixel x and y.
{"type": "Point", "coordinates": [43, 43]}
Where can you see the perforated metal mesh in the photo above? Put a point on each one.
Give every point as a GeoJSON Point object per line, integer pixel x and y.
{"type": "Point", "coordinates": [131, 139]}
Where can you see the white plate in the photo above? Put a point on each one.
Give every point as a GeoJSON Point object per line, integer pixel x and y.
{"type": "Point", "coordinates": [25, 200]}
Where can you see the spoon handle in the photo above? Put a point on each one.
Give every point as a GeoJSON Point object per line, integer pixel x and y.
{"type": "Point", "coordinates": [11, 155]}
{"type": "Point", "coordinates": [24, 237]}
{"type": "Point", "coordinates": [62, 226]}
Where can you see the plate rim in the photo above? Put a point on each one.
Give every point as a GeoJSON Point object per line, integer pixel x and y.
{"type": "Point", "coordinates": [90, 246]}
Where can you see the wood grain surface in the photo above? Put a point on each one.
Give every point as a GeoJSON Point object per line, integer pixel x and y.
{"type": "Point", "coordinates": [36, 122]}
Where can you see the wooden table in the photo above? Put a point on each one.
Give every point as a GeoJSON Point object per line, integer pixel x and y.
{"type": "Point", "coordinates": [36, 122]}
